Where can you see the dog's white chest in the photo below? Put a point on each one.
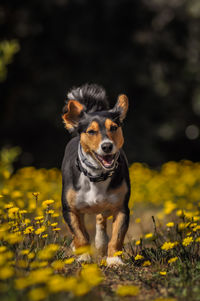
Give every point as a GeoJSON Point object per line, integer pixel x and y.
{"type": "Point", "coordinates": [93, 193]}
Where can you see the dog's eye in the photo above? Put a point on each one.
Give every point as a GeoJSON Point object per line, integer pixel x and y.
{"type": "Point", "coordinates": [91, 132]}
{"type": "Point", "coordinates": [113, 128]}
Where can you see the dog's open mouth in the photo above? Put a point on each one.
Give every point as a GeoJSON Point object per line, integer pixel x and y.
{"type": "Point", "coordinates": [107, 161]}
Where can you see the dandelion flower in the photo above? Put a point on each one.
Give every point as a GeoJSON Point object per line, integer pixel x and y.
{"type": "Point", "coordinates": [54, 224]}
{"type": "Point", "coordinates": [173, 259]}
{"type": "Point", "coordinates": [187, 241]}
{"type": "Point", "coordinates": [168, 246]}
{"type": "Point", "coordinates": [118, 253]}
{"type": "Point", "coordinates": [139, 257]}
{"type": "Point", "coordinates": [69, 260]}
{"type": "Point", "coordinates": [138, 242]}
{"type": "Point", "coordinates": [6, 272]}
{"type": "Point", "coordinates": [148, 235]}
{"type": "Point", "coordinates": [40, 230]}
{"type": "Point", "coordinates": [83, 249]}
{"type": "Point", "coordinates": [163, 273]}
{"type": "Point", "coordinates": [138, 220]}
{"type": "Point", "coordinates": [29, 230]}
{"type": "Point", "coordinates": [56, 229]}
{"type": "Point", "coordinates": [146, 263]}
{"type": "Point", "coordinates": [170, 224]}
{"type": "Point", "coordinates": [127, 290]}
{"type": "Point", "coordinates": [47, 203]}
{"type": "Point", "coordinates": [38, 218]}
{"type": "Point", "coordinates": [37, 294]}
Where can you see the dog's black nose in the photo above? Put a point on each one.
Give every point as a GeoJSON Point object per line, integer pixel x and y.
{"type": "Point", "coordinates": [107, 147]}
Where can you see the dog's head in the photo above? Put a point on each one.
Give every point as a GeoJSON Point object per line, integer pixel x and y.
{"type": "Point", "coordinates": [100, 132]}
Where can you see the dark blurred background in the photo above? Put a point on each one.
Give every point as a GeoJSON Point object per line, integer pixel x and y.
{"type": "Point", "coordinates": [148, 49]}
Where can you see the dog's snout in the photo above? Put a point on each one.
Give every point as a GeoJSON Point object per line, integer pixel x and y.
{"type": "Point", "coordinates": [107, 147]}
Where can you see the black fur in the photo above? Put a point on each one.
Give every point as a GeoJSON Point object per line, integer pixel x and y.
{"type": "Point", "coordinates": [92, 96]}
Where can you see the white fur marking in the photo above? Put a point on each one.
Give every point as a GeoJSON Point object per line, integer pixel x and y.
{"type": "Point", "coordinates": [101, 238]}
{"type": "Point", "coordinates": [114, 261]}
{"type": "Point", "coordinates": [85, 257]}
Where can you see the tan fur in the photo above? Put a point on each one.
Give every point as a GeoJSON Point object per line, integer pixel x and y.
{"type": "Point", "coordinates": [118, 233]}
{"type": "Point", "coordinates": [89, 142]}
{"type": "Point", "coordinates": [80, 234]}
{"type": "Point", "coordinates": [71, 118]}
{"type": "Point", "coordinates": [101, 220]}
{"type": "Point", "coordinates": [116, 136]}
{"type": "Point", "coordinates": [123, 104]}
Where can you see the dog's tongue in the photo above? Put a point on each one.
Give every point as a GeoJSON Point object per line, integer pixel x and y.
{"type": "Point", "coordinates": [107, 160]}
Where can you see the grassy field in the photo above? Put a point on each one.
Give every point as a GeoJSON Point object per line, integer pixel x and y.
{"type": "Point", "coordinates": [161, 252]}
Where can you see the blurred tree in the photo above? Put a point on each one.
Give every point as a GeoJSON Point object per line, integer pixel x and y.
{"type": "Point", "coordinates": [148, 49]}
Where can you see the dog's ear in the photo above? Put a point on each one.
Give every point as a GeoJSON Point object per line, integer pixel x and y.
{"type": "Point", "coordinates": [121, 106]}
{"type": "Point", "coordinates": [73, 111]}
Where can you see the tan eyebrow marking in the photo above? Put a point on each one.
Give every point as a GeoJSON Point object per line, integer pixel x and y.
{"type": "Point", "coordinates": [109, 123]}
{"type": "Point", "coordinates": [116, 136]}
{"type": "Point", "coordinates": [93, 126]}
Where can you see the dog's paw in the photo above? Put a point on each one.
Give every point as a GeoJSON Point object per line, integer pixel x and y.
{"type": "Point", "coordinates": [85, 257]}
{"type": "Point", "coordinates": [114, 261]}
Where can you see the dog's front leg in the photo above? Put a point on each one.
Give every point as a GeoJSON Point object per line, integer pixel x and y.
{"type": "Point", "coordinates": [119, 229]}
{"type": "Point", "coordinates": [101, 237]}
{"type": "Point", "coordinates": [75, 222]}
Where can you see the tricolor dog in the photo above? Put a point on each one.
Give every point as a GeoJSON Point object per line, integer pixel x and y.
{"type": "Point", "coordinates": [94, 169]}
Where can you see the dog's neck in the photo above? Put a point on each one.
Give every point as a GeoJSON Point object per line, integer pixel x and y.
{"type": "Point", "coordinates": [89, 166]}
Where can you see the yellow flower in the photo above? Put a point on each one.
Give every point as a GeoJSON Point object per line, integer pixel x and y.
{"type": "Point", "coordinates": [198, 239]}
{"type": "Point", "coordinates": [13, 238]}
{"type": "Point", "coordinates": [91, 274]}
{"type": "Point", "coordinates": [56, 229]}
{"type": "Point", "coordinates": [38, 218]}
{"type": "Point", "coordinates": [148, 235]}
{"type": "Point", "coordinates": [173, 259]}
{"type": "Point", "coordinates": [57, 283]}
{"type": "Point", "coordinates": [69, 260]}
{"type": "Point", "coordinates": [118, 253]}
{"type": "Point", "coordinates": [58, 265]}
{"type": "Point", "coordinates": [168, 246]}
{"type": "Point", "coordinates": [44, 236]}
{"type": "Point", "coordinates": [103, 263]}
{"type": "Point", "coordinates": [163, 273]}
{"type": "Point", "coordinates": [139, 257]}
{"type": "Point", "coordinates": [84, 249]}
{"type": "Point", "coordinates": [54, 224]}
{"type": "Point", "coordinates": [6, 272]}
{"type": "Point", "coordinates": [8, 206]}
{"type": "Point", "coordinates": [170, 224]}
{"type": "Point", "coordinates": [138, 220]}
{"type": "Point", "coordinates": [29, 230]}
{"type": "Point", "coordinates": [138, 242]}
{"type": "Point", "coordinates": [40, 230]}
{"type": "Point", "coordinates": [50, 211]}
{"type": "Point", "coordinates": [48, 252]}
{"type": "Point", "coordinates": [23, 211]}
{"type": "Point", "coordinates": [196, 228]}
{"type": "Point", "coordinates": [2, 249]}
{"type": "Point", "coordinates": [24, 252]}
{"type": "Point", "coordinates": [47, 203]}
{"type": "Point", "coordinates": [187, 241]}
{"type": "Point", "coordinates": [146, 263]}
{"type": "Point", "coordinates": [31, 255]}
{"type": "Point", "coordinates": [127, 290]}
{"type": "Point", "coordinates": [37, 294]}
{"type": "Point", "coordinates": [81, 288]}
